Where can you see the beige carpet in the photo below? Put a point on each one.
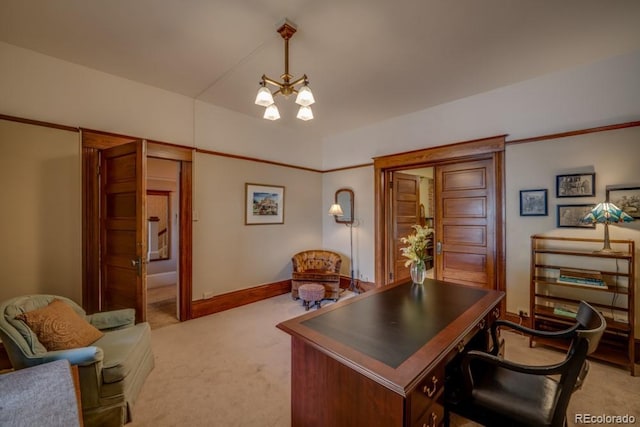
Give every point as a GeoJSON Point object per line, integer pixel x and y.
{"type": "Point", "coordinates": [162, 306]}
{"type": "Point", "coordinates": [233, 369]}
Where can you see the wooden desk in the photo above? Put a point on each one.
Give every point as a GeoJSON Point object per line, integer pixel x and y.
{"type": "Point", "coordinates": [379, 359]}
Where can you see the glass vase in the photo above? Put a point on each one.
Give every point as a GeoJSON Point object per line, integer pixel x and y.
{"type": "Point", "coordinates": [418, 271]}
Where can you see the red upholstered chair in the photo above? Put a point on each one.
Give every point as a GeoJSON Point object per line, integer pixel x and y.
{"type": "Point", "coordinates": [316, 266]}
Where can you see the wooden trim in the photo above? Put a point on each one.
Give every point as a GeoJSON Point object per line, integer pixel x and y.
{"type": "Point", "coordinates": [440, 153]}
{"type": "Point", "coordinates": [38, 123]}
{"type": "Point", "coordinates": [238, 298]}
{"type": "Point", "coordinates": [163, 150]}
{"type": "Point", "coordinates": [575, 133]}
{"type": "Point", "coordinates": [363, 165]}
{"type": "Point", "coordinates": [253, 159]}
{"type": "Point", "coordinates": [90, 229]}
{"type": "Point", "coordinates": [185, 252]}
{"type": "Point", "coordinates": [103, 140]}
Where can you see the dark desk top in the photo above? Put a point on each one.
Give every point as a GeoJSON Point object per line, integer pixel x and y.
{"type": "Point", "coordinates": [391, 326]}
{"type": "Point", "coordinates": [392, 334]}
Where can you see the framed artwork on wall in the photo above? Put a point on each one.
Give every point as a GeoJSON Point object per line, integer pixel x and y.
{"type": "Point", "coordinates": [627, 199]}
{"type": "Point", "coordinates": [264, 204]}
{"type": "Point", "coordinates": [576, 185]}
{"type": "Point", "coordinates": [570, 216]}
{"type": "Point", "coordinates": [533, 202]}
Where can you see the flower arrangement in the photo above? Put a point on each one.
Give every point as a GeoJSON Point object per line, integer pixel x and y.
{"type": "Point", "coordinates": [416, 251]}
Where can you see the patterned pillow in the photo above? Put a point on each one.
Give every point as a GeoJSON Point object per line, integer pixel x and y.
{"type": "Point", "coordinates": [59, 327]}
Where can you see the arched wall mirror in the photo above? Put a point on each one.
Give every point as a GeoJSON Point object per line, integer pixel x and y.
{"type": "Point", "coordinates": [158, 215]}
{"type": "Point", "coordinates": [344, 197]}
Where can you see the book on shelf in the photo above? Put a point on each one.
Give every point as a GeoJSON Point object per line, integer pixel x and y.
{"type": "Point", "coordinates": [581, 277]}
{"type": "Point", "coordinates": [562, 310]}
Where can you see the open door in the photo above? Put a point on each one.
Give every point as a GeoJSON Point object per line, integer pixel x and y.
{"type": "Point", "coordinates": [405, 213]}
{"type": "Point", "coordinates": [466, 225]}
{"type": "Point", "coordinates": [123, 237]}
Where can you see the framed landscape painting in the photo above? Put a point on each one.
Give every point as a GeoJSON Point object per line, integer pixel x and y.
{"type": "Point", "coordinates": [570, 216]}
{"type": "Point", "coordinates": [627, 199]}
{"type": "Point", "coordinates": [533, 202]}
{"type": "Point", "coordinates": [264, 204]}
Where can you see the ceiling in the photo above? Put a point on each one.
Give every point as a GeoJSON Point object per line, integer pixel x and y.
{"type": "Point", "coordinates": [367, 60]}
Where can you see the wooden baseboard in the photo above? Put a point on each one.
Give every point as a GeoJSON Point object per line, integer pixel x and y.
{"type": "Point", "coordinates": [238, 298]}
{"type": "Point", "coordinates": [512, 317]}
{"type": "Point", "coordinates": [234, 299]}
{"type": "Point", "coordinates": [363, 286]}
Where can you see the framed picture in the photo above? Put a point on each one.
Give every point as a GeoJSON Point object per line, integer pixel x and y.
{"type": "Point", "coordinates": [576, 185]}
{"type": "Point", "coordinates": [264, 204]}
{"type": "Point", "coordinates": [627, 199]}
{"type": "Point", "coordinates": [570, 216]}
{"type": "Point", "coordinates": [533, 202]}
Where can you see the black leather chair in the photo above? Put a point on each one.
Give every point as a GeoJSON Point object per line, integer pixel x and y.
{"type": "Point", "coordinates": [498, 392]}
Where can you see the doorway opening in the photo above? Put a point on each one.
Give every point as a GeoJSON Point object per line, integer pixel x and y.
{"type": "Point", "coordinates": [423, 203]}
{"type": "Point", "coordinates": [163, 212]}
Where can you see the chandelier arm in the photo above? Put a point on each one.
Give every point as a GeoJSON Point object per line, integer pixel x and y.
{"type": "Point", "coordinates": [301, 80]}
{"type": "Point", "coordinates": [272, 82]}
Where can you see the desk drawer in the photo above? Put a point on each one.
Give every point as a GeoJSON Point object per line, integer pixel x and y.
{"type": "Point", "coordinates": [432, 418]}
{"type": "Point", "coordinates": [426, 393]}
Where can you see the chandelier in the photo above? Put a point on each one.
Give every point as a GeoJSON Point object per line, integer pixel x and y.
{"type": "Point", "coordinates": [287, 87]}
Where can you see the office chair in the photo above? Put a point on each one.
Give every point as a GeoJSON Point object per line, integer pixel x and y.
{"type": "Point", "coordinates": [498, 392]}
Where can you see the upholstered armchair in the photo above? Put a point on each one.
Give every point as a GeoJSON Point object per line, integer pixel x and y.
{"type": "Point", "coordinates": [112, 369]}
{"type": "Point", "coordinates": [317, 266]}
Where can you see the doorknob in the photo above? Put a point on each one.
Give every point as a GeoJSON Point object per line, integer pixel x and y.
{"type": "Point", "coordinates": [439, 247]}
{"type": "Point", "coordinates": [137, 263]}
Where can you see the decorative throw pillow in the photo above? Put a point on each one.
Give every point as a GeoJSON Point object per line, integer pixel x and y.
{"type": "Point", "coordinates": [59, 327]}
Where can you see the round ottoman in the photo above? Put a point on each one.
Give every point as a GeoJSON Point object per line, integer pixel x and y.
{"type": "Point", "coordinates": [311, 293]}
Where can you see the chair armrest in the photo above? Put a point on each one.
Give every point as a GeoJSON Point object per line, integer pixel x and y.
{"type": "Point", "coordinates": [116, 319]}
{"type": "Point", "coordinates": [566, 333]}
{"type": "Point", "coordinates": [483, 357]}
{"type": "Point", "coordinates": [76, 356]}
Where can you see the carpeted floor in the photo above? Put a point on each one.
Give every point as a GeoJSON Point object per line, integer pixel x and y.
{"type": "Point", "coordinates": [161, 306]}
{"type": "Point", "coordinates": [233, 369]}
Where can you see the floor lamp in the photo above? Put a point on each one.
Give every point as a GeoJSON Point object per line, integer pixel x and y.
{"type": "Point", "coordinates": [336, 211]}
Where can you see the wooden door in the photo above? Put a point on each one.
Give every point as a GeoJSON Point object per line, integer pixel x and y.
{"type": "Point", "coordinates": [405, 211]}
{"type": "Point", "coordinates": [123, 237]}
{"type": "Point", "coordinates": [465, 229]}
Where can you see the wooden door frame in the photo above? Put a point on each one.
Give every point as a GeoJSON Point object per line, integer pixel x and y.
{"type": "Point", "coordinates": [92, 143]}
{"type": "Point", "coordinates": [492, 148]}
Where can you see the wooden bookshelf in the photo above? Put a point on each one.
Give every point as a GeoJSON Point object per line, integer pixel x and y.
{"type": "Point", "coordinates": [551, 254]}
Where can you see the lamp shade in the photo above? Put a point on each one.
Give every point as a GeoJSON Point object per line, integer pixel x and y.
{"type": "Point", "coordinates": [271, 113]}
{"type": "Point", "coordinates": [264, 97]}
{"type": "Point", "coordinates": [305, 113]}
{"type": "Point", "coordinates": [606, 213]}
{"type": "Point", "coordinates": [335, 210]}
{"type": "Point", "coordinates": [305, 96]}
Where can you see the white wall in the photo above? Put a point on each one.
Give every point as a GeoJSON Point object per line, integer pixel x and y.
{"type": "Point", "coordinates": [336, 236]}
{"type": "Point", "coordinates": [221, 130]}
{"type": "Point", "coordinates": [40, 87]}
{"type": "Point", "coordinates": [614, 157]}
{"type": "Point", "coordinates": [229, 255]}
{"type": "Point", "coordinates": [593, 95]}
{"type": "Point", "coordinates": [40, 219]}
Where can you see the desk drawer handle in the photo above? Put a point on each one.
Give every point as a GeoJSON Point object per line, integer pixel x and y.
{"type": "Point", "coordinates": [460, 346]}
{"type": "Point", "coordinates": [496, 313]}
{"type": "Point", "coordinates": [432, 421]}
{"type": "Point", "coordinates": [431, 391]}
{"type": "Point", "coordinates": [482, 324]}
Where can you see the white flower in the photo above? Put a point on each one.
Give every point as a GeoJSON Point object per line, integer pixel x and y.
{"type": "Point", "coordinates": [417, 248]}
